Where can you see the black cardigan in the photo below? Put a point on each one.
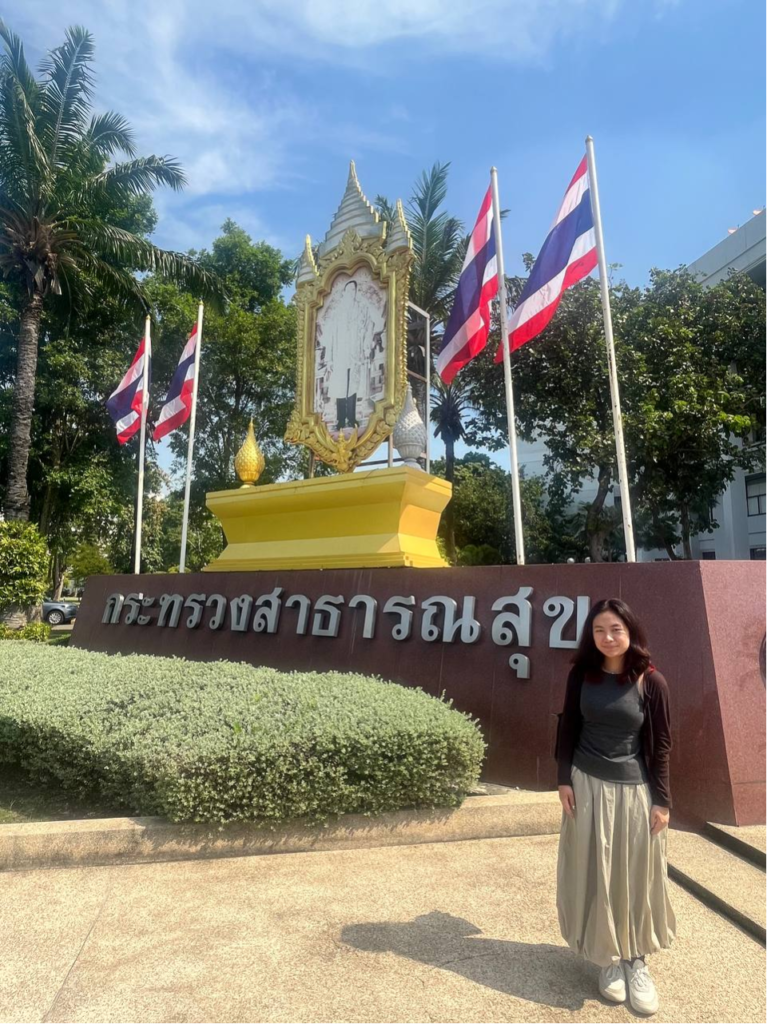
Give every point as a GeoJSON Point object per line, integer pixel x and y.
{"type": "Point", "coordinates": [655, 734]}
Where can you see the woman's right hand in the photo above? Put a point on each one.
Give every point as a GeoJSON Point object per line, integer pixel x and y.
{"type": "Point", "coordinates": [567, 798]}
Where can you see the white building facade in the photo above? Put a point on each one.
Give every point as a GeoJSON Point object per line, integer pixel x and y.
{"type": "Point", "coordinates": [740, 510]}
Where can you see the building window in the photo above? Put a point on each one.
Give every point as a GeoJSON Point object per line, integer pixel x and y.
{"type": "Point", "coordinates": [757, 554]}
{"type": "Point", "coordinates": [756, 491]}
{"type": "Point", "coordinates": [708, 556]}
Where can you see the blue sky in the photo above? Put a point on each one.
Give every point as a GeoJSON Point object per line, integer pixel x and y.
{"type": "Point", "coordinates": [265, 102]}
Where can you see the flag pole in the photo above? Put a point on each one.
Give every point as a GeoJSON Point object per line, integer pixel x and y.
{"type": "Point", "coordinates": [142, 444]}
{"type": "Point", "coordinates": [628, 526]}
{"type": "Point", "coordinates": [190, 446]}
{"type": "Point", "coordinates": [515, 492]}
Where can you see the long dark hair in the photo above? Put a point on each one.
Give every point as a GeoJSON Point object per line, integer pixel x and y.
{"type": "Point", "coordinates": [588, 658]}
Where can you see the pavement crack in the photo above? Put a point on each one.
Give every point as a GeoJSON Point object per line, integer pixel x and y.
{"type": "Point", "coordinates": [72, 966]}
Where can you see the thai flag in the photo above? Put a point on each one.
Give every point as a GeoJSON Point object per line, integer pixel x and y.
{"type": "Point", "coordinates": [568, 255]}
{"type": "Point", "coordinates": [178, 403]}
{"type": "Point", "coordinates": [126, 401]}
{"type": "Point", "coordinates": [469, 323]}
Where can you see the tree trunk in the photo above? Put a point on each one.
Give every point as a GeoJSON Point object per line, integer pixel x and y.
{"type": "Point", "coordinates": [594, 530]}
{"type": "Point", "coordinates": [16, 495]}
{"type": "Point", "coordinates": [47, 512]}
{"type": "Point", "coordinates": [684, 516]}
{"type": "Point", "coordinates": [660, 536]}
{"type": "Point", "coordinates": [450, 510]}
{"type": "Point", "coordinates": [58, 576]}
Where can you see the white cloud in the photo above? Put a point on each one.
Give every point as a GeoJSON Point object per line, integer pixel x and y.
{"type": "Point", "coordinates": [210, 82]}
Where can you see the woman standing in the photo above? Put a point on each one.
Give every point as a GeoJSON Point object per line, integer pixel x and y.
{"type": "Point", "coordinates": [613, 747]}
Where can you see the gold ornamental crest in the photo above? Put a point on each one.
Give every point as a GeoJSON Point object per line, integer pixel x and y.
{"type": "Point", "coordinates": [352, 303]}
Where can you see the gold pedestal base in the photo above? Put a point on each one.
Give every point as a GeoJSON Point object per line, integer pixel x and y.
{"type": "Point", "coordinates": [363, 520]}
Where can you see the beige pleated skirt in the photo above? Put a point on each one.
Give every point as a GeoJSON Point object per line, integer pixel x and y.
{"type": "Point", "coordinates": [612, 876]}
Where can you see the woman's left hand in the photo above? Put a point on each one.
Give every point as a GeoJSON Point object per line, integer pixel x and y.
{"type": "Point", "coordinates": [658, 819]}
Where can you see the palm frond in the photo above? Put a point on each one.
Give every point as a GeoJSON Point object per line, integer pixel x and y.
{"type": "Point", "coordinates": [110, 133]}
{"type": "Point", "coordinates": [430, 190]}
{"type": "Point", "coordinates": [128, 250]}
{"type": "Point", "coordinates": [66, 91]}
{"type": "Point", "coordinates": [23, 162]}
{"type": "Point", "coordinates": [136, 177]}
{"type": "Point", "coordinates": [14, 62]}
{"type": "Point", "coordinates": [385, 210]}
{"type": "Point", "coordinates": [115, 282]}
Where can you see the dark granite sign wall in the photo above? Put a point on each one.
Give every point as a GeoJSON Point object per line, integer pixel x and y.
{"type": "Point", "coordinates": [497, 640]}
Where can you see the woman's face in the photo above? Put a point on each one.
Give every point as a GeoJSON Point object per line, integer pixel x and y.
{"type": "Point", "coordinates": [610, 634]}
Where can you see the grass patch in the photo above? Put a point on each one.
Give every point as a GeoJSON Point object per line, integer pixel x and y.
{"type": "Point", "coordinates": [59, 640]}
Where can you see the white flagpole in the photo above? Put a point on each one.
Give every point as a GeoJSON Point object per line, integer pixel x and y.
{"type": "Point", "coordinates": [190, 447]}
{"type": "Point", "coordinates": [628, 526]}
{"type": "Point", "coordinates": [142, 445]}
{"type": "Point", "coordinates": [516, 497]}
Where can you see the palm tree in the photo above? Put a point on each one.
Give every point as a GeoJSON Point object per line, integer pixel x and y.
{"type": "Point", "coordinates": [57, 195]}
{"type": "Point", "coordinates": [439, 244]}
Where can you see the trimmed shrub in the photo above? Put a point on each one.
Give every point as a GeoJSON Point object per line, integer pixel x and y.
{"type": "Point", "coordinates": [38, 632]}
{"type": "Point", "coordinates": [23, 565]}
{"type": "Point", "coordinates": [217, 742]}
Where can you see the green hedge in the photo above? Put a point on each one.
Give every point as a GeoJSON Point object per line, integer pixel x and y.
{"type": "Point", "coordinates": [222, 742]}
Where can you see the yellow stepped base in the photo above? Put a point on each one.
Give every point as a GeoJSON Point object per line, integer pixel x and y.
{"type": "Point", "coordinates": [372, 519]}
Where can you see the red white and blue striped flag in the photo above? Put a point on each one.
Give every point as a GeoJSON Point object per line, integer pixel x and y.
{"type": "Point", "coordinates": [568, 255]}
{"type": "Point", "coordinates": [125, 402]}
{"type": "Point", "coordinates": [469, 323]}
{"type": "Point", "coordinates": [178, 403]}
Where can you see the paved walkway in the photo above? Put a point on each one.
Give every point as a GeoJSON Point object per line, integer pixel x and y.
{"type": "Point", "coordinates": [458, 932]}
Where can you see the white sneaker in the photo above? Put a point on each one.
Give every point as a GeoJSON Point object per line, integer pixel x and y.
{"type": "Point", "coordinates": [612, 983]}
{"type": "Point", "coordinates": [642, 993]}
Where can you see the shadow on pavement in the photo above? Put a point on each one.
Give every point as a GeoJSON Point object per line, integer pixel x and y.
{"type": "Point", "coordinates": [538, 972]}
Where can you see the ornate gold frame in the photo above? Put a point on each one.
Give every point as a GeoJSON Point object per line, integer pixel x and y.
{"type": "Point", "coordinates": [363, 242]}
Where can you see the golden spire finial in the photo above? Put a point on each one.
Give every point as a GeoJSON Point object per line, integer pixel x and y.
{"type": "Point", "coordinates": [249, 460]}
{"type": "Point", "coordinates": [307, 268]}
{"type": "Point", "coordinates": [355, 213]}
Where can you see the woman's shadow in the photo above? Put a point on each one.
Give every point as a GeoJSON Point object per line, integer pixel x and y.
{"type": "Point", "coordinates": [539, 972]}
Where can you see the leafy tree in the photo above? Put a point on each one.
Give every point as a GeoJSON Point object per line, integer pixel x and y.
{"type": "Point", "coordinates": [562, 396]}
{"type": "Point", "coordinates": [691, 376]}
{"type": "Point", "coordinates": [59, 207]}
{"type": "Point", "coordinates": [448, 415]}
{"type": "Point", "coordinates": [23, 567]}
{"type": "Point", "coordinates": [247, 360]}
{"type": "Point", "coordinates": [603, 532]}
{"type": "Point", "coordinates": [483, 522]}
{"type": "Point", "coordinates": [480, 506]}
{"type": "Point", "coordinates": [735, 313]}
{"type": "Point", "coordinates": [78, 476]}
{"type": "Point", "coordinates": [702, 399]}
{"type": "Point", "coordinates": [89, 560]}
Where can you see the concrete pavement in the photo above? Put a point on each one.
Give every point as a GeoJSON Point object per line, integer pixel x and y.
{"type": "Point", "coordinates": [462, 931]}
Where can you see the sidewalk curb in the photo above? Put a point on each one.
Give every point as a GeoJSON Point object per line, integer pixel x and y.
{"type": "Point", "coordinates": [108, 841]}
{"type": "Point", "coordinates": [714, 902]}
{"type": "Point", "coordinates": [735, 845]}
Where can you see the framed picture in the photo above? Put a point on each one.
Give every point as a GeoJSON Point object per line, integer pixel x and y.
{"type": "Point", "coordinates": [350, 352]}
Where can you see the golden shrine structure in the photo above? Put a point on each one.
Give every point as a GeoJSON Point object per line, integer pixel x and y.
{"type": "Point", "coordinates": [351, 388]}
